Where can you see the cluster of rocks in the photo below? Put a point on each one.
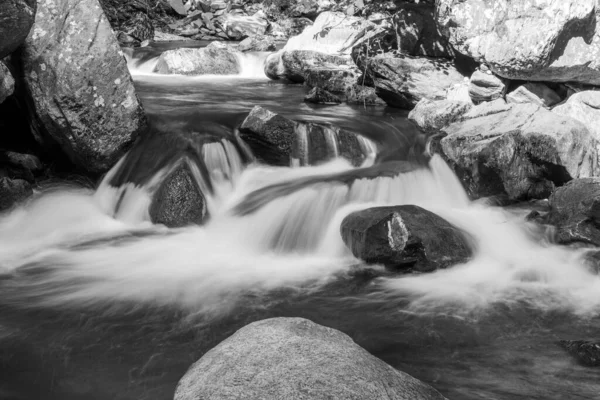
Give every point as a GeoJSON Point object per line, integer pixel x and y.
{"type": "Point", "coordinates": [66, 96]}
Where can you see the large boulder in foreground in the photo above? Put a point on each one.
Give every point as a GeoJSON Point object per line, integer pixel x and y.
{"type": "Point", "coordinates": [403, 81]}
{"type": "Point", "coordinates": [215, 59]}
{"type": "Point", "coordinates": [406, 236]}
{"type": "Point", "coordinates": [16, 20]}
{"type": "Point", "coordinates": [82, 95]}
{"type": "Point", "coordinates": [575, 211]}
{"type": "Point", "coordinates": [179, 200]}
{"type": "Point", "coordinates": [546, 40]}
{"type": "Point", "coordinates": [294, 358]}
{"type": "Point", "coordinates": [519, 150]}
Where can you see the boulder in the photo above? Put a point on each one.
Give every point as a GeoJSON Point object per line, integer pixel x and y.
{"type": "Point", "coordinates": [139, 28]}
{"type": "Point", "coordinates": [536, 93]}
{"type": "Point", "coordinates": [331, 33]}
{"type": "Point", "coordinates": [294, 358]}
{"type": "Point", "coordinates": [433, 115]}
{"type": "Point", "coordinates": [20, 166]}
{"type": "Point", "coordinates": [486, 87]}
{"type": "Point", "coordinates": [257, 43]}
{"type": "Point", "coordinates": [269, 135]}
{"type": "Point", "coordinates": [295, 65]}
{"type": "Point", "coordinates": [16, 20]}
{"type": "Point", "coordinates": [335, 79]}
{"type": "Point", "coordinates": [546, 40]}
{"type": "Point", "coordinates": [179, 200]}
{"type": "Point", "coordinates": [239, 27]}
{"type": "Point", "coordinates": [83, 98]}
{"type": "Point", "coordinates": [215, 59]}
{"type": "Point", "coordinates": [7, 82]}
{"type": "Point", "coordinates": [403, 81]}
{"type": "Point", "coordinates": [521, 150]}
{"type": "Point", "coordinates": [363, 95]}
{"type": "Point", "coordinates": [322, 96]}
{"type": "Point", "coordinates": [585, 352]}
{"type": "Point", "coordinates": [419, 34]}
{"type": "Point", "coordinates": [405, 236]}
{"type": "Point", "coordinates": [575, 211]}
{"type": "Point", "coordinates": [13, 191]}
{"type": "Point", "coordinates": [585, 107]}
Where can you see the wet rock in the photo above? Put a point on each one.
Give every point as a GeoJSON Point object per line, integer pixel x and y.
{"type": "Point", "coordinates": [257, 43]}
{"type": "Point", "coordinates": [139, 28]}
{"type": "Point", "coordinates": [586, 353]}
{"type": "Point", "coordinates": [7, 82]}
{"type": "Point", "coordinates": [486, 87]}
{"type": "Point", "coordinates": [575, 211]}
{"type": "Point", "coordinates": [13, 191]}
{"type": "Point", "coordinates": [168, 37]}
{"type": "Point", "coordinates": [269, 135]}
{"type": "Point", "coordinates": [403, 81]}
{"type": "Point", "coordinates": [321, 96]}
{"type": "Point", "coordinates": [520, 150]}
{"type": "Point", "coordinates": [584, 107]}
{"type": "Point", "coordinates": [557, 41]}
{"type": "Point", "coordinates": [294, 358]}
{"type": "Point", "coordinates": [296, 65]}
{"type": "Point", "coordinates": [215, 59]}
{"type": "Point", "coordinates": [331, 33]}
{"type": "Point", "coordinates": [179, 200]}
{"type": "Point", "coordinates": [16, 20]}
{"type": "Point", "coordinates": [404, 236]}
{"type": "Point", "coordinates": [239, 27]}
{"type": "Point", "coordinates": [336, 80]}
{"type": "Point", "coordinates": [82, 95]}
{"type": "Point", "coordinates": [419, 34]}
{"type": "Point", "coordinates": [433, 115]}
{"type": "Point", "coordinates": [536, 93]}
{"type": "Point", "coordinates": [363, 95]}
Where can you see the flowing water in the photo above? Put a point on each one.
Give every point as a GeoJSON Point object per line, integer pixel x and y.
{"type": "Point", "coordinates": [98, 303]}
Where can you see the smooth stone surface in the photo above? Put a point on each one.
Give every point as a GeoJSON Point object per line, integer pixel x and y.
{"type": "Point", "coordinates": [16, 20]}
{"type": "Point", "coordinates": [433, 115]}
{"type": "Point", "coordinates": [584, 107]}
{"type": "Point", "coordinates": [294, 358]}
{"type": "Point", "coordinates": [178, 201]}
{"type": "Point", "coordinates": [485, 87]}
{"type": "Point", "coordinates": [82, 94]}
{"type": "Point", "coordinates": [519, 150]}
{"type": "Point", "coordinates": [404, 236]}
{"type": "Point", "coordinates": [536, 93]}
{"type": "Point", "coordinates": [215, 59]}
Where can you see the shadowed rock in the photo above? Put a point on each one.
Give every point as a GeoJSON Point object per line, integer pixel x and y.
{"type": "Point", "coordinates": [16, 19]}
{"type": "Point", "coordinates": [586, 353]}
{"type": "Point", "coordinates": [294, 358]}
{"type": "Point", "coordinates": [13, 191]}
{"type": "Point", "coordinates": [7, 83]}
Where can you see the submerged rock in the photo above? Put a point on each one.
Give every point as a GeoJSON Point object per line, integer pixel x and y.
{"type": "Point", "coordinates": [404, 236]}
{"type": "Point", "coordinates": [433, 115]}
{"type": "Point", "coordinates": [16, 20]}
{"type": "Point", "coordinates": [536, 93]}
{"type": "Point", "coordinates": [586, 353]}
{"type": "Point", "coordinates": [575, 211]}
{"type": "Point", "coordinates": [403, 81]}
{"type": "Point", "coordinates": [7, 82]}
{"type": "Point", "coordinates": [215, 59]}
{"type": "Point", "coordinates": [519, 150]}
{"type": "Point", "coordinates": [13, 191]}
{"type": "Point", "coordinates": [179, 200]}
{"type": "Point", "coordinates": [486, 87]}
{"type": "Point", "coordinates": [294, 358]}
{"type": "Point", "coordinates": [557, 41]}
{"type": "Point", "coordinates": [82, 95]}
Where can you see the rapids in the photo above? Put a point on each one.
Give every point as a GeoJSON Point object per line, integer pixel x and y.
{"type": "Point", "coordinates": [97, 302]}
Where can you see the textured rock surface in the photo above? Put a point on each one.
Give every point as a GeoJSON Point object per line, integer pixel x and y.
{"type": "Point", "coordinates": [575, 211]}
{"type": "Point", "coordinates": [541, 40]}
{"type": "Point", "coordinates": [586, 353]}
{"type": "Point", "coordinates": [239, 27]}
{"type": "Point", "coordinates": [521, 150]}
{"type": "Point", "coordinates": [82, 94]}
{"type": "Point", "coordinates": [214, 59]}
{"type": "Point", "coordinates": [336, 80]}
{"type": "Point", "coordinates": [433, 115]}
{"type": "Point", "coordinates": [13, 191]}
{"type": "Point", "coordinates": [420, 35]}
{"type": "Point", "coordinates": [404, 236]}
{"type": "Point", "coordinates": [269, 135]}
{"type": "Point", "coordinates": [7, 82]}
{"type": "Point", "coordinates": [178, 201]}
{"type": "Point", "coordinates": [16, 19]}
{"type": "Point", "coordinates": [139, 28]}
{"type": "Point", "coordinates": [295, 65]}
{"type": "Point", "coordinates": [585, 107]}
{"type": "Point", "coordinates": [321, 96]}
{"type": "Point", "coordinates": [294, 358]}
{"type": "Point", "coordinates": [486, 87]}
{"type": "Point", "coordinates": [403, 81]}
{"type": "Point", "coordinates": [536, 93]}
{"type": "Point", "coordinates": [257, 43]}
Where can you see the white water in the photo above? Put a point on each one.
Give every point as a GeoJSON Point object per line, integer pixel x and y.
{"type": "Point", "coordinates": [291, 242]}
